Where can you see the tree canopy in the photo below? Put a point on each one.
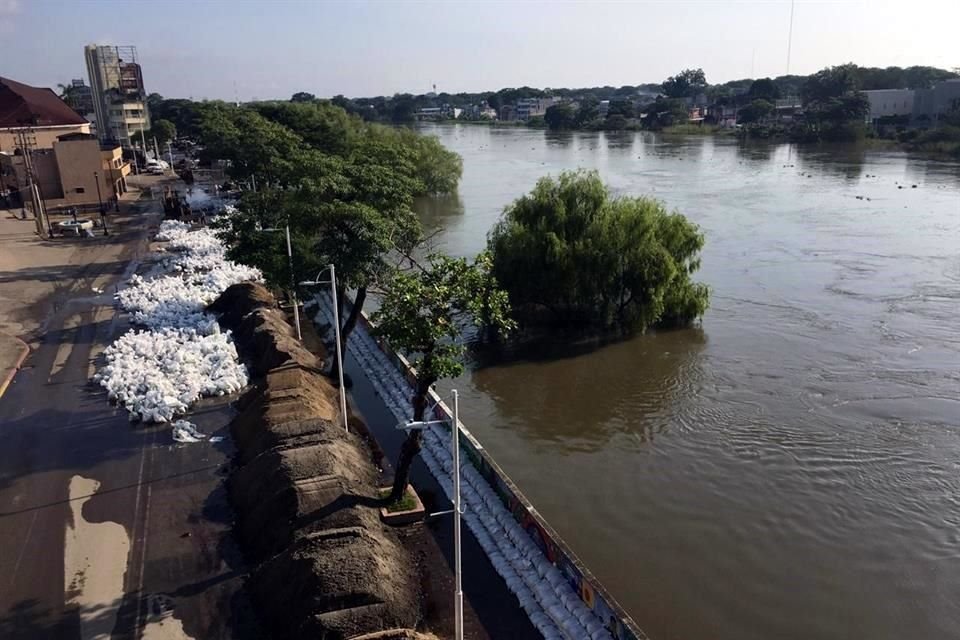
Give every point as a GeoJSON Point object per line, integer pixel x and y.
{"type": "Point", "coordinates": [685, 84]}
{"type": "Point", "coordinates": [424, 314]}
{"type": "Point", "coordinates": [764, 89]}
{"type": "Point", "coordinates": [594, 260]}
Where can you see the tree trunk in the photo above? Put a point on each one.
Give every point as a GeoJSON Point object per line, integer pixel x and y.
{"type": "Point", "coordinates": [411, 446]}
{"type": "Point", "coordinates": [354, 316]}
{"type": "Point", "coordinates": [401, 475]}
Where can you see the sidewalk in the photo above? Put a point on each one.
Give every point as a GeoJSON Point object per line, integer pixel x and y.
{"type": "Point", "coordinates": [37, 276]}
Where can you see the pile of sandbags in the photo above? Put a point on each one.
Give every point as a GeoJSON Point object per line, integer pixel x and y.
{"type": "Point", "coordinates": [305, 493]}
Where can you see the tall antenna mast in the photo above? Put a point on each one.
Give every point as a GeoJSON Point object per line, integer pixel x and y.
{"type": "Point", "coordinates": [790, 37]}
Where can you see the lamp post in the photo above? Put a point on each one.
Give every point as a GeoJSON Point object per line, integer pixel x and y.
{"type": "Point", "coordinates": [103, 211]}
{"type": "Point", "coordinates": [336, 326]}
{"type": "Point", "coordinates": [293, 285]}
{"type": "Point", "coordinates": [457, 509]}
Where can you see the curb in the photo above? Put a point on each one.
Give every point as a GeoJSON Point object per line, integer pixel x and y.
{"type": "Point", "coordinates": [16, 367]}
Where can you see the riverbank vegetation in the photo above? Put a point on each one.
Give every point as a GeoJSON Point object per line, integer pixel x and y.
{"type": "Point", "coordinates": [344, 188]}
{"type": "Point", "coordinates": [424, 312]}
{"type": "Point", "coordinates": [569, 254]}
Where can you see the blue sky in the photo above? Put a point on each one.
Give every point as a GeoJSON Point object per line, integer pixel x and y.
{"type": "Point", "coordinates": [204, 49]}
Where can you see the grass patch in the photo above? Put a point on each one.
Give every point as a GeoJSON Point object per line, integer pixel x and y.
{"type": "Point", "coordinates": [405, 503]}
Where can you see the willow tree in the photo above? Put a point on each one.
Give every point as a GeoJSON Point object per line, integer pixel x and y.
{"type": "Point", "coordinates": [592, 260]}
{"type": "Point", "coordinates": [425, 314]}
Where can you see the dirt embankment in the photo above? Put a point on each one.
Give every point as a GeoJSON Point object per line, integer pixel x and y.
{"type": "Point", "coordinates": [305, 493]}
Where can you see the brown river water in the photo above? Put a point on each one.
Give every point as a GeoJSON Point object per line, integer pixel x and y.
{"type": "Point", "coordinates": [791, 468]}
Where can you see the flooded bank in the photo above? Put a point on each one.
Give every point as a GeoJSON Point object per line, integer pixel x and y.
{"type": "Point", "coordinates": [790, 468]}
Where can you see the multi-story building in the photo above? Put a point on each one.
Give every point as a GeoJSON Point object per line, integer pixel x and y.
{"type": "Point", "coordinates": [930, 105]}
{"type": "Point", "coordinates": [886, 103]}
{"type": "Point", "coordinates": [44, 142]}
{"type": "Point", "coordinates": [532, 107]}
{"type": "Point", "coordinates": [119, 96]}
{"type": "Point", "coordinates": [79, 97]}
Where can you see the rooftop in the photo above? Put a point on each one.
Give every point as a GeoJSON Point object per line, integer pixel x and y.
{"type": "Point", "coordinates": [22, 106]}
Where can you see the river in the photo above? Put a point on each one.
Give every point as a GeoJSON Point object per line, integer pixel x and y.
{"type": "Point", "coordinates": [789, 469]}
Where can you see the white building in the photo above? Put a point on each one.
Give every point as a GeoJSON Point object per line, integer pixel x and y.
{"type": "Point", "coordinates": [119, 97]}
{"type": "Point", "coordinates": [889, 102]}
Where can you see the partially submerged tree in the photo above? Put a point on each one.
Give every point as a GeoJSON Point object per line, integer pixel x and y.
{"type": "Point", "coordinates": [425, 314]}
{"type": "Point", "coordinates": [594, 261]}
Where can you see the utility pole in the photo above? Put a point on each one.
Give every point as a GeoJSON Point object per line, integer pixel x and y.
{"type": "Point", "coordinates": [170, 153]}
{"type": "Point", "coordinates": [143, 138]}
{"type": "Point", "coordinates": [457, 571]}
{"type": "Point", "coordinates": [26, 141]}
{"type": "Point", "coordinates": [790, 37]}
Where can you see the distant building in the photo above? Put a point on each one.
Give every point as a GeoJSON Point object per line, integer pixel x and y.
{"type": "Point", "coordinates": [508, 112]}
{"type": "Point", "coordinates": [886, 103]}
{"type": "Point", "coordinates": [533, 107]}
{"type": "Point", "coordinates": [80, 98]}
{"type": "Point", "coordinates": [438, 113]}
{"type": "Point", "coordinates": [45, 142]}
{"type": "Point", "coordinates": [603, 109]}
{"type": "Point", "coordinates": [930, 105]}
{"type": "Point", "coordinates": [119, 96]}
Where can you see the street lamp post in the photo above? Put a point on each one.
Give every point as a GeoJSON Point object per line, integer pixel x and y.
{"type": "Point", "coordinates": [103, 211]}
{"type": "Point", "coordinates": [336, 325]}
{"type": "Point", "coordinates": [293, 283]}
{"type": "Point", "coordinates": [457, 508]}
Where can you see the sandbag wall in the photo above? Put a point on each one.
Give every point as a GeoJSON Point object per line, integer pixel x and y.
{"type": "Point", "coordinates": [305, 491]}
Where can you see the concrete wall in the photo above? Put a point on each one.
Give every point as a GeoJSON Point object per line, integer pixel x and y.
{"type": "Point", "coordinates": [77, 161]}
{"type": "Point", "coordinates": [930, 104]}
{"type": "Point", "coordinates": [43, 136]}
{"type": "Point", "coordinates": [890, 102]}
{"type": "Point", "coordinates": [585, 584]}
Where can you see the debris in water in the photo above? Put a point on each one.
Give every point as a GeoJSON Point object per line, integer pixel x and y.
{"type": "Point", "coordinates": [216, 439]}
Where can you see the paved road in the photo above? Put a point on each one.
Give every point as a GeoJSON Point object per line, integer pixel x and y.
{"type": "Point", "coordinates": [108, 529]}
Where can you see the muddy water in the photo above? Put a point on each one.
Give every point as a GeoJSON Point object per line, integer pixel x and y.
{"type": "Point", "coordinates": [791, 469]}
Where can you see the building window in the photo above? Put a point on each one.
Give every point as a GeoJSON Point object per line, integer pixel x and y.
{"type": "Point", "coordinates": [80, 190]}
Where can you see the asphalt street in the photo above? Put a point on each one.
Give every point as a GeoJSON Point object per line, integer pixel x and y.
{"type": "Point", "coordinates": [108, 529]}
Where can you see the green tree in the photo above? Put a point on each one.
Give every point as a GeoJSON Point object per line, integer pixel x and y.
{"type": "Point", "coordinates": [831, 82]}
{"type": "Point", "coordinates": [621, 107]}
{"type": "Point", "coordinates": [302, 96]}
{"type": "Point", "coordinates": [588, 111]}
{"type": "Point", "coordinates": [424, 314]}
{"type": "Point", "coordinates": [834, 106]}
{"type": "Point", "coordinates": [685, 84]}
{"type": "Point", "coordinates": [591, 260]}
{"type": "Point", "coordinates": [560, 116]}
{"type": "Point", "coordinates": [321, 125]}
{"type": "Point", "coordinates": [764, 89]}
{"type": "Point", "coordinates": [163, 131]}
{"type": "Point", "coordinates": [664, 112]}
{"type": "Point", "coordinates": [403, 108]}
{"type": "Point", "coordinates": [756, 111]}
{"type": "Point", "coordinates": [251, 144]}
